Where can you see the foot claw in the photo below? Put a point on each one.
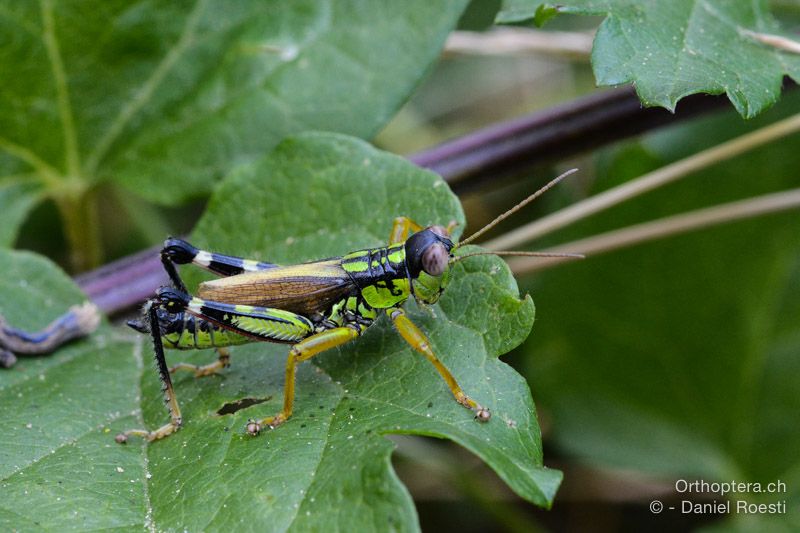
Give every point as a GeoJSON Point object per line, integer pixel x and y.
{"type": "Point", "coordinates": [482, 414]}
{"type": "Point", "coordinates": [253, 427]}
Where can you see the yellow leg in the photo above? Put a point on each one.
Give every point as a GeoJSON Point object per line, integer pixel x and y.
{"type": "Point", "coordinates": [174, 424]}
{"type": "Point", "coordinates": [305, 349]}
{"type": "Point", "coordinates": [400, 229]}
{"type": "Point", "coordinates": [417, 340]}
{"type": "Point", "coordinates": [223, 361]}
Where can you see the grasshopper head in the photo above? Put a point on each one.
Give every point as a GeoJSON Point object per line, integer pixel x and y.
{"type": "Point", "coordinates": [168, 303]}
{"type": "Point", "coordinates": [431, 252]}
{"type": "Point", "coordinates": [428, 259]}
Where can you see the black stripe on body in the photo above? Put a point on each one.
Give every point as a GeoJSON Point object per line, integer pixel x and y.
{"type": "Point", "coordinates": [352, 311]}
{"type": "Point", "coordinates": [379, 267]}
{"type": "Point", "coordinates": [261, 323]}
{"type": "Point", "coordinates": [180, 323]}
{"type": "Point", "coordinates": [221, 313]}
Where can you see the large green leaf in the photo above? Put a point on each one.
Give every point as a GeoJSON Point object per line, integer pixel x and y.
{"type": "Point", "coordinates": [166, 97]}
{"type": "Point", "coordinates": [669, 50]}
{"type": "Point", "coordinates": [328, 467]}
{"type": "Point", "coordinates": [681, 357]}
{"type": "Point", "coordinates": [17, 198]}
{"type": "Point", "coordinates": [57, 468]}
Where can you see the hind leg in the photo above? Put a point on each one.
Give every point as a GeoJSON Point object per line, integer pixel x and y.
{"type": "Point", "coordinates": [176, 420]}
{"type": "Point", "coordinates": [180, 252]}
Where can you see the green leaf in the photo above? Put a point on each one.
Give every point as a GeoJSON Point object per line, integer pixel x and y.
{"type": "Point", "coordinates": [517, 11]}
{"type": "Point", "coordinates": [479, 15]}
{"type": "Point", "coordinates": [328, 467]}
{"type": "Point", "coordinates": [17, 198]}
{"type": "Point", "coordinates": [326, 195]}
{"type": "Point", "coordinates": [166, 98]}
{"type": "Point", "coordinates": [57, 467]}
{"type": "Point", "coordinates": [669, 50]}
{"type": "Point", "coordinates": [678, 358]}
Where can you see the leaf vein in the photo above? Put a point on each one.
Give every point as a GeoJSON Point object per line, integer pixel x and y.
{"type": "Point", "coordinates": [145, 92]}
{"type": "Point", "coordinates": [51, 45]}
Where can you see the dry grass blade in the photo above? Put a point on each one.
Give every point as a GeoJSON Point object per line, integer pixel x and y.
{"type": "Point", "coordinates": [665, 227]}
{"type": "Point", "coordinates": [673, 172]}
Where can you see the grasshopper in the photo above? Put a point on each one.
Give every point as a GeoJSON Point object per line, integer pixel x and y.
{"type": "Point", "coordinates": [313, 306]}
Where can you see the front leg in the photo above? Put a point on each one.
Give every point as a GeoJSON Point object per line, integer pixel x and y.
{"type": "Point", "coordinates": [401, 227]}
{"type": "Point", "coordinates": [417, 340]}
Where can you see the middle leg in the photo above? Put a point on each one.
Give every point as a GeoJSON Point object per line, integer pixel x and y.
{"type": "Point", "coordinates": [211, 369]}
{"type": "Point", "coordinates": [303, 350]}
{"type": "Point", "coordinates": [183, 331]}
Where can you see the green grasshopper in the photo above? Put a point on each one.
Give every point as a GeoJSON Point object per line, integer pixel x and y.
{"type": "Point", "coordinates": [313, 306]}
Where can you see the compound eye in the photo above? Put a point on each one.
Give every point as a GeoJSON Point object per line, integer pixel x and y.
{"type": "Point", "coordinates": [435, 259]}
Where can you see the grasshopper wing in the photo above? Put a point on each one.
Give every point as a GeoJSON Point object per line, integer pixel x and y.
{"type": "Point", "coordinates": [305, 289]}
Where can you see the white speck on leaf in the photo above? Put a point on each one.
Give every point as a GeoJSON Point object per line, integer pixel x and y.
{"type": "Point", "coordinates": [289, 53]}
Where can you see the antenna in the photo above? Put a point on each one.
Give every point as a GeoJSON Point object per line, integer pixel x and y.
{"type": "Point", "coordinates": [516, 208]}
{"type": "Point", "coordinates": [526, 254]}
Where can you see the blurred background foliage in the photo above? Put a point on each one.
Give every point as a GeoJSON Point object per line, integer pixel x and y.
{"type": "Point", "coordinates": [675, 359]}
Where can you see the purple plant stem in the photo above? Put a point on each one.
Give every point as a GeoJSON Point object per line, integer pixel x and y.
{"type": "Point", "coordinates": [553, 134]}
{"type": "Point", "coordinates": [466, 162]}
{"type": "Point", "coordinates": [124, 283]}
